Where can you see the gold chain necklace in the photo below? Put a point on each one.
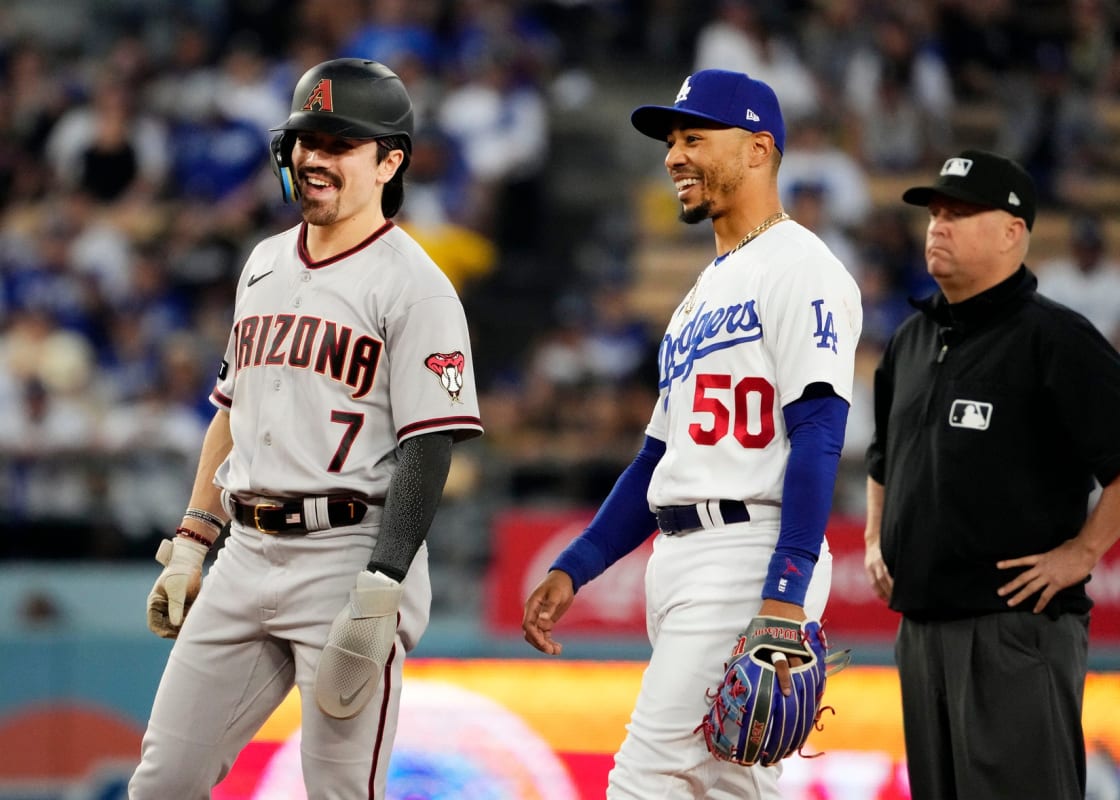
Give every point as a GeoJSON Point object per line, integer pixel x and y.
{"type": "Point", "coordinates": [757, 231]}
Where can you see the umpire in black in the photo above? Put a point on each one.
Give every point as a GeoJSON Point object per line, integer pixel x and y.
{"type": "Point", "coordinates": [995, 410]}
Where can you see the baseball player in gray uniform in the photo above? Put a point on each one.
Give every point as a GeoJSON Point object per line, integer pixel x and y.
{"type": "Point", "coordinates": [346, 380]}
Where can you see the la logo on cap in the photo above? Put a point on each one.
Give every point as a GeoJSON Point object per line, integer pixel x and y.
{"type": "Point", "coordinates": [686, 87]}
{"type": "Point", "coordinates": [1013, 199]}
{"type": "Point", "coordinates": [957, 166]}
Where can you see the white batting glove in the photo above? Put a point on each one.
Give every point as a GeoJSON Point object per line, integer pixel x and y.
{"type": "Point", "coordinates": [177, 586]}
{"type": "Point", "coordinates": [358, 646]}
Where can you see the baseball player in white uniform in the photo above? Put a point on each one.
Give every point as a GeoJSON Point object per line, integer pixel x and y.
{"type": "Point", "coordinates": [347, 378]}
{"type": "Point", "coordinates": [739, 462]}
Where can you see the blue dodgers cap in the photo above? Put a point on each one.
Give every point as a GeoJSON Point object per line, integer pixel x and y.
{"type": "Point", "coordinates": [718, 95]}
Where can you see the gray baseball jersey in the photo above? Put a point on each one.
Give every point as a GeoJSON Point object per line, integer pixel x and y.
{"type": "Point", "coordinates": [335, 363]}
{"type": "Point", "coordinates": [330, 365]}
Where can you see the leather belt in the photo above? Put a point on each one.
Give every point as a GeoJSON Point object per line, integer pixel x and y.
{"type": "Point", "coordinates": [290, 517]}
{"type": "Point", "coordinates": [708, 514]}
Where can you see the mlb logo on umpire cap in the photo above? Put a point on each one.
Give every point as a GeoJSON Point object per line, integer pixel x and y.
{"type": "Point", "coordinates": [956, 166]}
{"type": "Point", "coordinates": [727, 98]}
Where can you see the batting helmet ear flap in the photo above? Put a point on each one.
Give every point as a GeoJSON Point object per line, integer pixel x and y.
{"type": "Point", "coordinates": [281, 149]}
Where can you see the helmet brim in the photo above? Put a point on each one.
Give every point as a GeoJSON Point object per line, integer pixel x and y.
{"type": "Point", "coordinates": [343, 127]}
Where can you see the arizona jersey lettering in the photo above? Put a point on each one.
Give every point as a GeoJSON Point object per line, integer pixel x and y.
{"type": "Point", "coordinates": [316, 391]}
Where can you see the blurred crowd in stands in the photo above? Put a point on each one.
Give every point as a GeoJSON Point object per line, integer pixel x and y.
{"type": "Point", "coordinates": [134, 178]}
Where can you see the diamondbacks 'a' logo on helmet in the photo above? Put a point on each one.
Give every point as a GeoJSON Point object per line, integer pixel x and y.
{"type": "Point", "coordinates": [319, 99]}
{"type": "Point", "coordinates": [449, 368]}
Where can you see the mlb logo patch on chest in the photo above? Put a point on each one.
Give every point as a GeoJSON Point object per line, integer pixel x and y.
{"type": "Point", "coordinates": [970, 414]}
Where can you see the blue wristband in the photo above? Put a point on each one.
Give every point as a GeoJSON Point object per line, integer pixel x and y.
{"type": "Point", "coordinates": [787, 578]}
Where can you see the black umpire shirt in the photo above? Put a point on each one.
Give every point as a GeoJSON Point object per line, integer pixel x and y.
{"type": "Point", "coordinates": [992, 416]}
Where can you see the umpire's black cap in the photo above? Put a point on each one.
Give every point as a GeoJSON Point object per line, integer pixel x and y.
{"type": "Point", "coordinates": [983, 178]}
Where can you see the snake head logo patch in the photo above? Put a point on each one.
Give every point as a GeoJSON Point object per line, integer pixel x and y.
{"type": "Point", "coordinates": [448, 367]}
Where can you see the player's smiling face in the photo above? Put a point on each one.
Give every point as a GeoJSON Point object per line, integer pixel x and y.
{"type": "Point", "coordinates": [706, 165]}
{"type": "Point", "coordinates": [337, 177]}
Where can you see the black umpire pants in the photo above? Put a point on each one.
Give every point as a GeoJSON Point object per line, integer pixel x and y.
{"type": "Point", "coordinates": [991, 706]}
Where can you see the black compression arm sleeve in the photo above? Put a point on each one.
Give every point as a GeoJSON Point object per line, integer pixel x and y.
{"type": "Point", "coordinates": [410, 506]}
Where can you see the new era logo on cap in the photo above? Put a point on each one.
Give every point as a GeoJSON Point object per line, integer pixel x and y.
{"type": "Point", "coordinates": [726, 98]}
{"type": "Point", "coordinates": [984, 179]}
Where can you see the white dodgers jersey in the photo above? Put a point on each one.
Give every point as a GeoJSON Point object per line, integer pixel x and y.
{"type": "Point", "coordinates": [332, 364]}
{"type": "Point", "coordinates": [771, 318]}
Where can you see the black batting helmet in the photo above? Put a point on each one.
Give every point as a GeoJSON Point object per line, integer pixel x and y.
{"type": "Point", "coordinates": [354, 98]}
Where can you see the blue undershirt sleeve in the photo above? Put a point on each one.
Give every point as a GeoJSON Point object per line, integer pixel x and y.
{"type": "Point", "coordinates": [622, 523]}
{"type": "Point", "coordinates": [816, 433]}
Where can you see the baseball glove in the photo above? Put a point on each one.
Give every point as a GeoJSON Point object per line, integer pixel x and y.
{"type": "Point", "coordinates": [750, 720]}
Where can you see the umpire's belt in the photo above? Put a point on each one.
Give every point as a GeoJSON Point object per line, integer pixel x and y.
{"type": "Point", "coordinates": [300, 516]}
{"type": "Point", "coordinates": [708, 514]}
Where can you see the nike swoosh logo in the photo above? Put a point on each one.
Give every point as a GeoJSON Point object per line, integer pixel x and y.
{"type": "Point", "coordinates": [254, 278]}
{"type": "Point", "coordinates": [345, 700]}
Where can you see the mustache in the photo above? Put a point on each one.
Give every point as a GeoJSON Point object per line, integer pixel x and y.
{"type": "Point", "coordinates": [318, 172]}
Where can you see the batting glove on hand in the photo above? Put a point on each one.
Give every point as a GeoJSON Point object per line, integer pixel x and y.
{"type": "Point", "coordinates": [358, 646]}
{"type": "Point", "coordinates": [177, 586]}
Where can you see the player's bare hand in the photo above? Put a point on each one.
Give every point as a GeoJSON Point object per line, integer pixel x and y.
{"type": "Point", "coordinates": [877, 574]}
{"type": "Point", "coordinates": [544, 608]}
{"type": "Point", "coordinates": [1067, 564]}
{"type": "Point", "coordinates": [782, 663]}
